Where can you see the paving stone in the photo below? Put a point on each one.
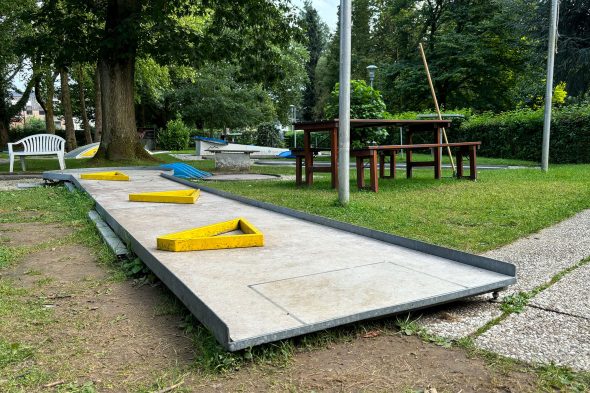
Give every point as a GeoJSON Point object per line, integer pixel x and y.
{"type": "Point", "coordinates": [460, 319]}
{"type": "Point", "coordinates": [542, 255]}
{"type": "Point", "coordinates": [541, 336]}
{"type": "Point", "coordinates": [570, 295]}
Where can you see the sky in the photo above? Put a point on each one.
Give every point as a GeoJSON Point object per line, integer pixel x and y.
{"type": "Point", "coordinates": [326, 8]}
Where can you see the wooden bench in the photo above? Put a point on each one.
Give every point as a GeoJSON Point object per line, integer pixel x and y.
{"type": "Point", "coordinates": [38, 145]}
{"type": "Point", "coordinates": [299, 154]}
{"type": "Point", "coordinates": [370, 153]}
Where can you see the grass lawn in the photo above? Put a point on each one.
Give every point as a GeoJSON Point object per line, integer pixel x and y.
{"type": "Point", "coordinates": [41, 345]}
{"type": "Point", "coordinates": [502, 206]}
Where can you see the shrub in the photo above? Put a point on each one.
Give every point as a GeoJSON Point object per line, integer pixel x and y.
{"type": "Point", "coordinates": [519, 134]}
{"type": "Point", "coordinates": [175, 136]}
{"type": "Point", "coordinates": [268, 135]}
{"type": "Point", "coordinates": [365, 103]}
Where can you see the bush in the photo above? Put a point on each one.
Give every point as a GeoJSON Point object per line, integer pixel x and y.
{"type": "Point", "coordinates": [519, 134]}
{"type": "Point", "coordinates": [175, 136]}
{"type": "Point", "coordinates": [268, 134]}
{"type": "Point", "coordinates": [365, 103]}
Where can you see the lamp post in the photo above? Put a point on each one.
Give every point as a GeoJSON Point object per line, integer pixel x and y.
{"type": "Point", "coordinates": [293, 120]}
{"type": "Point", "coordinates": [371, 68]}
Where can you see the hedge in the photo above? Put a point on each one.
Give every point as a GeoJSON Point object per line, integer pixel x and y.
{"type": "Point", "coordinates": [519, 134]}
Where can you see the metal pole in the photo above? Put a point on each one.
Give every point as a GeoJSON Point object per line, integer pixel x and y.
{"type": "Point", "coordinates": [344, 103]}
{"type": "Point", "coordinates": [549, 88]}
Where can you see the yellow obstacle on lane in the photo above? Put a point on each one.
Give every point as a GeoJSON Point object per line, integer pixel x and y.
{"type": "Point", "coordinates": [176, 196]}
{"type": "Point", "coordinates": [114, 175]}
{"type": "Point", "coordinates": [207, 237]}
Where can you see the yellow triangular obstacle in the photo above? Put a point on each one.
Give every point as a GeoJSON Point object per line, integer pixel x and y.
{"type": "Point", "coordinates": [206, 238]}
{"type": "Point", "coordinates": [176, 196]}
{"type": "Point", "coordinates": [114, 175]}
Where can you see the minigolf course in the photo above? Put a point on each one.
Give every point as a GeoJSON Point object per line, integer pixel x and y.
{"type": "Point", "coordinates": [311, 273]}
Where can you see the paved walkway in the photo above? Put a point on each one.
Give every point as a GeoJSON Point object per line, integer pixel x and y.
{"type": "Point", "coordinates": [555, 325]}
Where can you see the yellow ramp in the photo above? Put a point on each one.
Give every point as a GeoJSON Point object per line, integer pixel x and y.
{"type": "Point", "coordinates": [115, 175]}
{"type": "Point", "coordinates": [176, 196]}
{"type": "Point", "coordinates": [207, 237]}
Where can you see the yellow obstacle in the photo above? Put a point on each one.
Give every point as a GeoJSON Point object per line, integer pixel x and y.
{"type": "Point", "coordinates": [115, 175]}
{"type": "Point", "coordinates": [176, 196]}
{"type": "Point", "coordinates": [206, 238]}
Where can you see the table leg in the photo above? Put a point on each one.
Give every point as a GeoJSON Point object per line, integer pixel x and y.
{"type": "Point", "coordinates": [472, 163]}
{"type": "Point", "coordinates": [360, 173]}
{"type": "Point", "coordinates": [334, 157]}
{"type": "Point", "coordinates": [382, 165]}
{"type": "Point", "coordinates": [298, 164]}
{"type": "Point", "coordinates": [459, 159]}
{"type": "Point", "coordinates": [308, 158]}
{"type": "Point", "coordinates": [437, 164]}
{"type": "Point", "coordinates": [409, 156]}
{"type": "Point", "coordinates": [374, 177]}
{"type": "Point", "coordinates": [438, 155]}
{"type": "Point", "coordinates": [392, 164]}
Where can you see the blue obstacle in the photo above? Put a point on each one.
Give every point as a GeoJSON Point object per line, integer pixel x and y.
{"type": "Point", "coordinates": [286, 154]}
{"type": "Point", "coordinates": [185, 171]}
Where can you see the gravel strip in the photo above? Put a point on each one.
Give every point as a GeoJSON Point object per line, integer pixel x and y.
{"type": "Point", "coordinates": [540, 256]}
{"type": "Point", "coordinates": [20, 184]}
{"type": "Point", "coordinates": [541, 336]}
{"type": "Point", "coordinates": [460, 319]}
{"type": "Point", "coordinates": [570, 295]}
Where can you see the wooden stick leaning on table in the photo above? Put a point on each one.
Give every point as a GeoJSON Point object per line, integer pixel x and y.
{"type": "Point", "coordinates": [436, 106]}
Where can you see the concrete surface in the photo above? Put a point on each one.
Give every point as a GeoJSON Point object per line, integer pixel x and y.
{"type": "Point", "coordinates": [542, 255]}
{"type": "Point", "coordinates": [541, 336]}
{"type": "Point", "coordinates": [461, 318]}
{"type": "Point", "coordinates": [570, 295]}
{"type": "Point", "coordinates": [307, 277]}
{"type": "Point", "coordinates": [232, 161]}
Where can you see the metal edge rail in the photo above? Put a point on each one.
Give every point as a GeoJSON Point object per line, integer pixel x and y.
{"type": "Point", "coordinates": [486, 263]}
{"type": "Point", "coordinates": [195, 305]}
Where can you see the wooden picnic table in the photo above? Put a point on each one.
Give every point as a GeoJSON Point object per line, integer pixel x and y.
{"type": "Point", "coordinates": [411, 127]}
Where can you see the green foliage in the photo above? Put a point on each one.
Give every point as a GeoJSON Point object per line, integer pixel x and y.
{"type": "Point", "coordinates": [518, 134]}
{"type": "Point", "coordinates": [365, 103]}
{"type": "Point", "coordinates": [175, 136]}
{"type": "Point", "coordinates": [32, 126]}
{"type": "Point", "coordinates": [316, 36]}
{"type": "Point", "coordinates": [515, 303]}
{"type": "Point", "coordinates": [268, 135]}
{"type": "Point", "coordinates": [216, 99]}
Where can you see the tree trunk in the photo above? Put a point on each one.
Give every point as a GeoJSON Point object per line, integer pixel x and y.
{"type": "Point", "coordinates": [3, 134]}
{"type": "Point", "coordinates": [117, 71]}
{"type": "Point", "coordinates": [49, 116]}
{"type": "Point", "coordinates": [66, 103]}
{"type": "Point", "coordinates": [85, 124]}
{"type": "Point", "coordinates": [98, 106]}
{"type": "Point", "coordinates": [47, 101]}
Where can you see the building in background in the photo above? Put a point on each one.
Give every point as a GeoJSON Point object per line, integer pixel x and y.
{"type": "Point", "coordinates": [33, 110]}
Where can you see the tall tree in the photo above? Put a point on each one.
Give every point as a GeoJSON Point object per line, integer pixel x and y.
{"type": "Point", "coordinates": [97, 106]}
{"type": "Point", "coordinates": [316, 36]}
{"type": "Point", "coordinates": [245, 32]}
{"type": "Point", "coordinates": [13, 32]}
{"type": "Point", "coordinates": [45, 94]}
{"type": "Point", "coordinates": [80, 77]}
{"type": "Point", "coordinates": [361, 44]}
{"type": "Point", "coordinates": [66, 104]}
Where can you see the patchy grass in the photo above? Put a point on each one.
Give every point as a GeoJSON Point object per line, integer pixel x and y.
{"type": "Point", "coordinates": [502, 206]}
